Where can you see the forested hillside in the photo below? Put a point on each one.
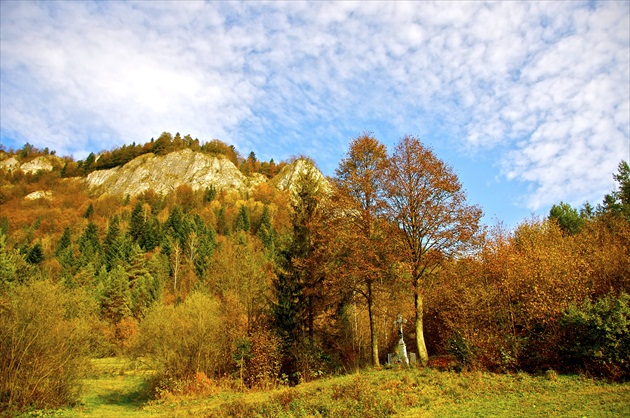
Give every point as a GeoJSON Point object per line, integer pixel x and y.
{"type": "Point", "coordinates": [285, 283]}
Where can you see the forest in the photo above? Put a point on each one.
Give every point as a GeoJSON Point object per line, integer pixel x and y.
{"type": "Point", "coordinates": [276, 288]}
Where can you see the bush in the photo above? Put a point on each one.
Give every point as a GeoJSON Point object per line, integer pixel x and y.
{"type": "Point", "coordinates": [181, 341]}
{"type": "Point", "coordinates": [44, 341]}
{"type": "Point", "coordinates": [596, 337]}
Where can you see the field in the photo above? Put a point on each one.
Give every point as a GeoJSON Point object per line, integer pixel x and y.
{"type": "Point", "coordinates": [115, 388]}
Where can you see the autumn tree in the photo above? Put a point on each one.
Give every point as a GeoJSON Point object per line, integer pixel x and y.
{"type": "Point", "coordinates": [360, 176]}
{"type": "Point", "coordinates": [428, 205]}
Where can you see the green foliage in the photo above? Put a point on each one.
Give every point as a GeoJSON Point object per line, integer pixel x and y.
{"type": "Point", "coordinates": [222, 224]}
{"type": "Point", "coordinates": [242, 222]}
{"type": "Point", "coordinates": [8, 263]}
{"type": "Point", "coordinates": [145, 288]}
{"type": "Point", "coordinates": [89, 211]}
{"type": "Point", "coordinates": [596, 337]}
{"type": "Point", "coordinates": [209, 194]}
{"type": "Point", "coordinates": [567, 217]}
{"type": "Point", "coordinates": [116, 301]}
{"type": "Point", "coordinates": [115, 246]}
{"type": "Point", "coordinates": [182, 340]}
{"type": "Point", "coordinates": [462, 350]}
{"type": "Point", "coordinates": [265, 231]}
{"type": "Point", "coordinates": [36, 254]}
{"type": "Point", "coordinates": [44, 332]}
{"type": "Point", "coordinates": [64, 242]}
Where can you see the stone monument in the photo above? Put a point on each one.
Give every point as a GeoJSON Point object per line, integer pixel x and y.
{"type": "Point", "coordinates": [400, 356]}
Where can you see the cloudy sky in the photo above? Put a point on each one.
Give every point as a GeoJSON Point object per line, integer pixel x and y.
{"type": "Point", "coordinates": [529, 102]}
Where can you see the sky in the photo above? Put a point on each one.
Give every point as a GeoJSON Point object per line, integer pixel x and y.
{"type": "Point", "coordinates": [528, 102]}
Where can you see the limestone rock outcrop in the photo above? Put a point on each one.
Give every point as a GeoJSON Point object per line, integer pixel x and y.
{"type": "Point", "coordinates": [166, 173]}
{"type": "Point", "coordinates": [198, 170]}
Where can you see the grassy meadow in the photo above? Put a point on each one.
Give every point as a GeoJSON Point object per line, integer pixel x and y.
{"type": "Point", "coordinates": [116, 388]}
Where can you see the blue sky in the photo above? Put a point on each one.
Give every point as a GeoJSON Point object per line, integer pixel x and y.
{"type": "Point", "coordinates": [529, 102]}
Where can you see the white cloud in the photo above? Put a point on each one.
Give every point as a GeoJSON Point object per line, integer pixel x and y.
{"type": "Point", "coordinates": [546, 82]}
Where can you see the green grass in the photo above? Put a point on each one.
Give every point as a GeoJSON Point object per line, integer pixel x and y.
{"type": "Point", "coordinates": [115, 389]}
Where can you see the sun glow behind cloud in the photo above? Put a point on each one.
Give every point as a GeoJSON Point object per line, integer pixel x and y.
{"type": "Point", "coordinates": [540, 87]}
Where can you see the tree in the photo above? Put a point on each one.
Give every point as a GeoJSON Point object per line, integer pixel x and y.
{"type": "Point", "coordinates": [116, 302]}
{"type": "Point", "coordinates": [210, 194]}
{"type": "Point", "coordinates": [433, 220]}
{"type": "Point", "coordinates": [64, 242]}
{"type": "Point", "coordinates": [265, 230]}
{"type": "Point", "coordinates": [567, 218]}
{"type": "Point", "coordinates": [360, 176]}
{"type": "Point", "coordinates": [298, 285]}
{"type": "Point", "coordinates": [242, 222]}
{"type": "Point", "coordinates": [137, 223]}
{"type": "Point", "coordinates": [90, 245]}
{"type": "Point", "coordinates": [618, 201]}
{"type": "Point", "coordinates": [43, 346]}
{"type": "Point", "coordinates": [89, 211]}
{"type": "Point", "coordinates": [113, 244]}
{"type": "Point", "coordinates": [36, 254]}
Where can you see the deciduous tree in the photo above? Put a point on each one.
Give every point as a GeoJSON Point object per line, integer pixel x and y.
{"type": "Point", "coordinates": [428, 205]}
{"type": "Point", "coordinates": [360, 176]}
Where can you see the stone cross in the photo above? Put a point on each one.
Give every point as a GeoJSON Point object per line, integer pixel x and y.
{"type": "Point", "coordinates": [400, 321]}
{"type": "Point", "coordinates": [401, 350]}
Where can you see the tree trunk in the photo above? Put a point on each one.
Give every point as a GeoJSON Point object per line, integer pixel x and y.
{"type": "Point", "coordinates": [423, 355]}
{"type": "Point", "coordinates": [373, 331]}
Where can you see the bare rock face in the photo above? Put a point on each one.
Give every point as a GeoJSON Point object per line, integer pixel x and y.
{"type": "Point", "coordinates": [166, 173]}
{"type": "Point", "coordinates": [287, 178]}
{"type": "Point", "coordinates": [9, 164]}
{"type": "Point", "coordinates": [43, 163]}
{"type": "Point", "coordinates": [40, 194]}
{"type": "Point", "coordinates": [198, 170]}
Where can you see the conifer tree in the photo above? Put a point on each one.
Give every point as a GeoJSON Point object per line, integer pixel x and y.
{"type": "Point", "coordinates": [90, 246]}
{"type": "Point", "coordinates": [222, 225]}
{"type": "Point", "coordinates": [144, 287]}
{"type": "Point", "coordinates": [64, 242]}
{"type": "Point", "coordinates": [137, 223]}
{"type": "Point", "coordinates": [296, 286]}
{"type": "Point", "coordinates": [113, 247]}
{"type": "Point", "coordinates": [265, 231]}
{"type": "Point", "coordinates": [89, 211]}
{"type": "Point", "coordinates": [36, 254]}
{"type": "Point", "coordinates": [116, 299]}
{"type": "Point", "coordinates": [242, 222]}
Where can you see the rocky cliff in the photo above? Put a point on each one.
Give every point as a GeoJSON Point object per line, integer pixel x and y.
{"type": "Point", "coordinates": [43, 163]}
{"type": "Point", "coordinates": [198, 170]}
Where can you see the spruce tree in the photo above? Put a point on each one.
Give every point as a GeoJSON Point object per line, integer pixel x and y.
{"type": "Point", "coordinates": [242, 222]}
{"type": "Point", "coordinates": [116, 300]}
{"type": "Point", "coordinates": [64, 242]}
{"type": "Point", "coordinates": [113, 248]}
{"type": "Point", "coordinates": [265, 231]}
{"type": "Point", "coordinates": [89, 211]}
{"type": "Point", "coordinates": [90, 247]}
{"type": "Point", "coordinates": [222, 225]}
{"type": "Point", "coordinates": [137, 223]}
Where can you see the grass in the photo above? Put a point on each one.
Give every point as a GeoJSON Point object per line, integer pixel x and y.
{"type": "Point", "coordinates": [115, 389]}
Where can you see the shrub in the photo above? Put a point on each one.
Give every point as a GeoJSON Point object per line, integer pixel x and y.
{"type": "Point", "coordinates": [462, 351]}
{"type": "Point", "coordinates": [181, 341]}
{"type": "Point", "coordinates": [44, 340]}
{"type": "Point", "coordinates": [596, 337]}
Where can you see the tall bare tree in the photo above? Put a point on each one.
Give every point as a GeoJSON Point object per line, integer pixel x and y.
{"type": "Point", "coordinates": [434, 222]}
